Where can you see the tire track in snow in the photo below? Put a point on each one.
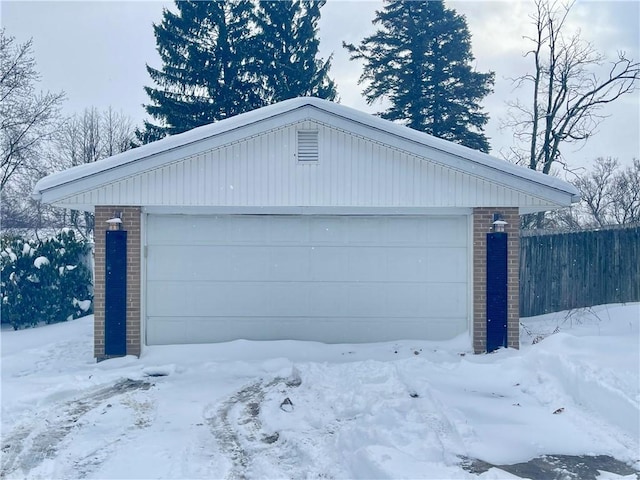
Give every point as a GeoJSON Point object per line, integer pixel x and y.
{"type": "Point", "coordinates": [237, 427]}
{"type": "Point", "coordinates": [30, 443]}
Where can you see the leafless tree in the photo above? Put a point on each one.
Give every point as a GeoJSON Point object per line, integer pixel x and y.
{"type": "Point", "coordinates": [22, 215]}
{"type": "Point", "coordinates": [567, 91]}
{"type": "Point", "coordinates": [87, 138]}
{"type": "Point", "coordinates": [81, 138]}
{"type": "Point", "coordinates": [119, 132]}
{"type": "Point", "coordinates": [77, 140]}
{"type": "Point", "coordinates": [610, 194]}
{"type": "Point", "coordinates": [27, 117]}
{"type": "Point", "coordinates": [596, 190]}
{"type": "Point", "coordinates": [565, 219]}
{"type": "Point", "coordinates": [92, 136]}
{"type": "Point", "coordinates": [626, 195]}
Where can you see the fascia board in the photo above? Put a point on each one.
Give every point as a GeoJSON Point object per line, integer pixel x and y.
{"type": "Point", "coordinates": [313, 210]}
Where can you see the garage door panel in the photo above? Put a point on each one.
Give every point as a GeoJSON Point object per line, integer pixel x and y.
{"type": "Point", "coordinates": [237, 263]}
{"type": "Point", "coordinates": [185, 230]}
{"type": "Point", "coordinates": [228, 263]}
{"type": "Point", "coordinates": [288, 230]}
{"type": "Point", "coordinates": [329, 299]}
{"type": "Point", "coordinates": [367, 264]}
{"type": "Point", "coordinates": [373, 264]}
{"type": "Point", "coordinates": [285, 299]}
{"type": "Point", "coordinates": [405, 300]}
{"type": "Point", "coordinates": [288, 264]}
{"type": "Point", "coordinates": [266, 264]}
{"type": "Point", "coordinates": [407, 265]}
{"type": "Point", "coordinates": [172, 330]}
{"type": "Point", "coordinates": [216, 278]}
{"type": "Point", "coordinates": [220, 299]}
{"type": "Point", "coordinates": [168, 262]}
{"type": "Point", "coordinates": [167, 265]}
{"type": "Point", "coordinates": [447, 231]}
{"type": "Point", "coordinates": [446, 264]}
{"type": "Point", "coordinates": [365, 231]}
{"type": "Point", "coordinates": [243, 229]}
{"type": "Point", "coordinates": [405, 231]}
{"type": "Point", "coordinates": [329, 230]}
{"type": "Point", "coordinates": [200, 262]}
{"type": "Point", "coordinates": [446, 300]}
{"type": "Point", "coordinates": [215, 299]}
{"type": "Point", "coordinates": [292, 299]}
{"type": "Point", "coordinates": [366, 300]}
{"type": "Point", "coordinates": [328, 264]}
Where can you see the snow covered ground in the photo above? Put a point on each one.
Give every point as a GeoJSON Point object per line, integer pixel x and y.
{"type": "Point", "coordinates": [307, 410]}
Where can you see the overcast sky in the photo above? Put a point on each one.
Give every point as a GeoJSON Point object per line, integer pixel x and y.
{"type": "Point", "coordinates": [96, 52]}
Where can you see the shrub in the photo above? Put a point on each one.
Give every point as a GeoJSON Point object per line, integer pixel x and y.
{"type": "Point", "coordinates": [44, 281]}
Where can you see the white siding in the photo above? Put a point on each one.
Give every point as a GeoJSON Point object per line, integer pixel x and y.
{"type": "Point", "coordinates": [263, 171]}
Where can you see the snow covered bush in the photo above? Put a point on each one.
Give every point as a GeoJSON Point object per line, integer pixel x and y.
{"type": "Point", "coordinates": [44, 281]}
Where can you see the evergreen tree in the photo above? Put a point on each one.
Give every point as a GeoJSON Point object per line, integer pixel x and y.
{"type": "Point", "coordinates": [209, 69]}
{"type": "Point", "coordinates": [289, 65]}
{"type": "Point", "coordinates": [420, 59]}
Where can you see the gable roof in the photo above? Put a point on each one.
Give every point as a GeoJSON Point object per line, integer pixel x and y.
{"type": "Point", "coordinates": [53, 188]}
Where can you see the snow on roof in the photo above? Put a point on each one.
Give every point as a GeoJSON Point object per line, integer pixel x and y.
{"type": "Point", "coordinates": [248, 118]}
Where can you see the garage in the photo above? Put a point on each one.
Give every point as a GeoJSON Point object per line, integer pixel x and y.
{"type": "Point", "coordinates": [305, 220]}
{"type": "Point", "coordinates": [307, 277]}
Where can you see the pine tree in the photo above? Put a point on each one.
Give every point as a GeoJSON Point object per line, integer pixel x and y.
{"type": "Point", "coordinates": [420, 59]}
{"type": "Point", "coordinates": [289, 65]}
{"type": "Point", "coordinates": [209, 69]}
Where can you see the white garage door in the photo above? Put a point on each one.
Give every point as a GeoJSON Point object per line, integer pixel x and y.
{"type": "Point", "coordinates": [324, 278]}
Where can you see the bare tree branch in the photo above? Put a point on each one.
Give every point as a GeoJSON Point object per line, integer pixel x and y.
{"type": "Point", "coordinates": [27, 118]}
{"type": "Point", "coordinates": [567, 93]}
{"type": "Point", "coordinates": [86, 138]}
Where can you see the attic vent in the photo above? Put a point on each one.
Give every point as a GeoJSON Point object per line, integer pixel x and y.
{"type": "Point", "coordinates": [307, 145]}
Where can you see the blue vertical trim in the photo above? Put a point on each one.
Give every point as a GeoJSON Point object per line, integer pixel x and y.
{"type": "Point", "coordinates": [115, 315]}
{"type": "Point", "coordinates": [497, 297]}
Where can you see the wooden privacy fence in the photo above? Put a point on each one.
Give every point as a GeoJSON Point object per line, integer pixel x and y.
{"type": "Point", "coordinates": [561, 271]}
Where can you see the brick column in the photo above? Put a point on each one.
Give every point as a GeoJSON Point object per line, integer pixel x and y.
{"type": "Point", "coordinates": [482, 223]}
{"type": "Point", "coordinates": [131, 218]}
